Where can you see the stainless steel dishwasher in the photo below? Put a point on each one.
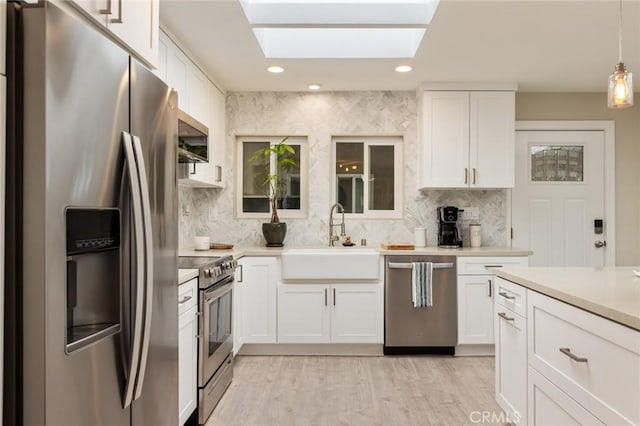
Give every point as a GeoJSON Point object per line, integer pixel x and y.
{"type": "Point", "coordinates": [428, 330]}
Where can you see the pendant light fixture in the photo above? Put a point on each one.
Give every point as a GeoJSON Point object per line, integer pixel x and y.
{"type": "Point", "coordinates": [620, 93]}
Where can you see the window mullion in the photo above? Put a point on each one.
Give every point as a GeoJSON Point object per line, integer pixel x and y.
{"type": "Point", "coordinates": [365, 178]}
{"type": "Point", "coordinates": [273, 169]}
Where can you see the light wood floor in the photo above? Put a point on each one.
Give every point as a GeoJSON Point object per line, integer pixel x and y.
{"type": "Point", "coordinates": [329, 390]}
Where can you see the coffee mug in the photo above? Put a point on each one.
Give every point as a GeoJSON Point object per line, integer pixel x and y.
{"type": "Point", "coordinates": [201, 243]}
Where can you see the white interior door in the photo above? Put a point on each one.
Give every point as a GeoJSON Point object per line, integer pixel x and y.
{"type": "Point", "coordinates": [558, 194]}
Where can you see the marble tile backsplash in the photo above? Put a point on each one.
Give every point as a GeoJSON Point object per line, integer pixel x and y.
{"type": "Point", "coordinates": [319, 116]}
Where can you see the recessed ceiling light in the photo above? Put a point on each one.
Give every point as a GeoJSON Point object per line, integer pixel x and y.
{"type": "Point", "coordinates": [314, 86]}
{"type": "Point", "coordinates": [275, 70]}
{"type": "Point", "coordinates": [403, 68]}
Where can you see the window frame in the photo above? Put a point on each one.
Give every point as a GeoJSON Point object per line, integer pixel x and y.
{"type": "Point", "coordinates": [301, 141]}
{"type": "Point", "coordinates": [398, 174]}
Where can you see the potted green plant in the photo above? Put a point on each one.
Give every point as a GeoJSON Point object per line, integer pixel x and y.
{"type": "Point", "coordinates": [273, 185]}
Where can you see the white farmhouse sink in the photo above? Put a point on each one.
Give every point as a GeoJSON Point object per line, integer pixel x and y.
{"type": "Point", "coordinates": [339, 263]}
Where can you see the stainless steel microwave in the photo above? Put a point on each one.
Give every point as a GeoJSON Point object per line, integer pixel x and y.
{"type": "Point", "coordinates": [193, 140]}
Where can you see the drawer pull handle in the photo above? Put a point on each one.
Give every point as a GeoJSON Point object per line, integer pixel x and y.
{"type": "Point", "coordinates": [493, 266]}
{"type": "Point", "coordinates": [574, 357]}
{"type": "Point", "coordinates": [185, 300]}
{"type": "Point", "coordinates": [507, 296]}
{"type": "Point", "coordinates": [505, 317]}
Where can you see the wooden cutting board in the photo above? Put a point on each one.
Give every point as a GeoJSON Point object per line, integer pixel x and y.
{"type": "Point", "coordinates": [398, 246]}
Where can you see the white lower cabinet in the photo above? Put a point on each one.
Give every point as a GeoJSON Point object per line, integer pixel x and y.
{"type": "Point", "coordinates": [303, 313]}
{"type": "Point", "coordinates": [187, 350]}
{"type": "Point", "coordinates": [476, 294]}
{"type": "Point", "coordinates": [237, 300]}
{"type": "Point", "coordinates": [511, 363]}
{"type": "Point", "coordinates": [357, 312]}
{"type": "Point", "coordinates": [596, 362]}
{"type": "Point", "coordinates": [475, 309]}
{"type": "Point", "coordinates": [259, 296]}
{"type": "Point", "coordinates": [548, 405]}
{"type": "Point", "coordinates": [335, 313]}
{"type": "Point", "coordinates": [573, 366]}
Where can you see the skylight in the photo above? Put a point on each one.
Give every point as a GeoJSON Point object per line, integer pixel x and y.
{"type": "Point", "coordinates": [339, 28]}
{"type": "Point", "coordinates": [338, 43]}
{"type": "Point", "coordinates": [339, 12]}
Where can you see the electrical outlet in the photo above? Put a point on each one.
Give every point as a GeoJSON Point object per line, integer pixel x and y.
{"type": "Point", "coordinates": [471, 213]}
{"type": "Point", "coordinates": [185, 211]}
{"type": "Point", "coordinates": [212, 216]}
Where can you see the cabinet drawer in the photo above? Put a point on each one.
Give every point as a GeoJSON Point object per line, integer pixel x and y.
{"type": "Point", "coordinates": [594, 360]}
{"type": "Point", "coordinates": [548, 405]}
{"type": "Point", "coordinates": [187, 295]}
{"type": "Point", "coordinates": [511, 296]}
{"type": "Point", "coordinates": [480, 265]}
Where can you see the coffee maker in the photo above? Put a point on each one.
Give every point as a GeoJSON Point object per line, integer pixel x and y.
{"type": "Point", "coordinates": [448, 236]}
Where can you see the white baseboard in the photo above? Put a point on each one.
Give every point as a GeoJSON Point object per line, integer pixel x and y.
{"type": "Point", "coordinates": [335, 349]}
{"type": "Point", "coordinates": [475, 350]}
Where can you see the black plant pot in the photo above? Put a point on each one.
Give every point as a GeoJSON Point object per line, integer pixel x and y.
{"type": "Point", "coordinates": [274, 233]}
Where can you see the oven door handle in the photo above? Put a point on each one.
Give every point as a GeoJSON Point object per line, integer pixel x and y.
{"type": "Point", "coordinates": [224, 287]}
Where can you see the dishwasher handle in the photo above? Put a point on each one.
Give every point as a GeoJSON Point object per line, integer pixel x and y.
{"type": "Point", "coordinates": [393, 265]}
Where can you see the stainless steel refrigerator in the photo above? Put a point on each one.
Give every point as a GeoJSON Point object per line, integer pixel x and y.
{"type": "Point", "coordinates": [92, 317]}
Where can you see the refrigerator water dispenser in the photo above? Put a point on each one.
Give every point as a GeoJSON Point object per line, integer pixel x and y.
{"type": "Point", "coordinates": [93, 275]}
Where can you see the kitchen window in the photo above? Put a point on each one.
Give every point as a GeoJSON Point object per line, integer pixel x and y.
{"type": "Point", "coordinates": [253, 190]}
{"type": "Point", "coordinates": [367, 178]}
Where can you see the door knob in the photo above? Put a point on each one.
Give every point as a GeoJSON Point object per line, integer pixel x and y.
{"type": "Point", "coordinates": [600, 244]}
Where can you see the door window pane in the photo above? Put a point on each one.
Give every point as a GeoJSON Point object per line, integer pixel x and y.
{"type": "Point", "coordinates": [557, 163]}
{"type": "Point", "coordinates": [381, 177]}
{"type": "Point", "coordinates": [254, 189]}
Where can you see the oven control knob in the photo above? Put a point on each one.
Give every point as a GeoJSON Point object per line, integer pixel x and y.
{"type": "Point", "coordinates": [217, 271]}
{"type": "Point", "coordinates": [209, 273]}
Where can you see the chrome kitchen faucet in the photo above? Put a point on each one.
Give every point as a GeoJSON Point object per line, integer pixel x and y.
{"type": "Point", "coordinates": [332, 237]}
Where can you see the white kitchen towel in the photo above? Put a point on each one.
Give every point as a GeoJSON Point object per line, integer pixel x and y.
{"type": "Point", "coordinates": [421, 284]}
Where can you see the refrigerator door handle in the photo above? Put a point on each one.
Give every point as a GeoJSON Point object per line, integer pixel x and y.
{"type": "Point", "coordinates": [148, 262]}
{"type": "Point", "coordinates": [134, 186]}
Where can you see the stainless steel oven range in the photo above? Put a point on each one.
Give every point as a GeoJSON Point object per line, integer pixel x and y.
{"type": "Point", "coordinates": [215, 338]}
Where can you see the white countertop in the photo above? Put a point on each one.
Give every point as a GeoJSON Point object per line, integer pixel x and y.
{"type": "Point", "coordinates": [185, 275]}
{"type": "Point", "coordinates": [238, 252]}
{"type": "Point", "coordinates": [613, 293]}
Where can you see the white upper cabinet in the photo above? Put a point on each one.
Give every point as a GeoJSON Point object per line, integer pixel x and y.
{"type": "Point", "coordinates": [445, 139]}
{"type": "Point", "coordinates": [492, 139]}
{"type": "Point", "coordinates": [134, 23]}
{"type": "Point", "coordinates": [198, 99]}
{"type": "Point", "coordinates": [176, 73]}
{"type": "Point", "coordinates": [467, 139]}
{"type": "Point", "coordinates": [201, 99]}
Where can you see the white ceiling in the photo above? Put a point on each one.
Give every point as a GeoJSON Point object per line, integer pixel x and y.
{"type": "Point", "coordinates": [543, 45]}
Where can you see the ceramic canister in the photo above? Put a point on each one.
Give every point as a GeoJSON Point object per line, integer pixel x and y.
{"type": "Point", "coordinates": [474, 234]}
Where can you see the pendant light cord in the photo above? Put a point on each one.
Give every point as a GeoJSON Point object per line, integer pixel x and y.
{"type": "Point", "coordinates": [620, 33]}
